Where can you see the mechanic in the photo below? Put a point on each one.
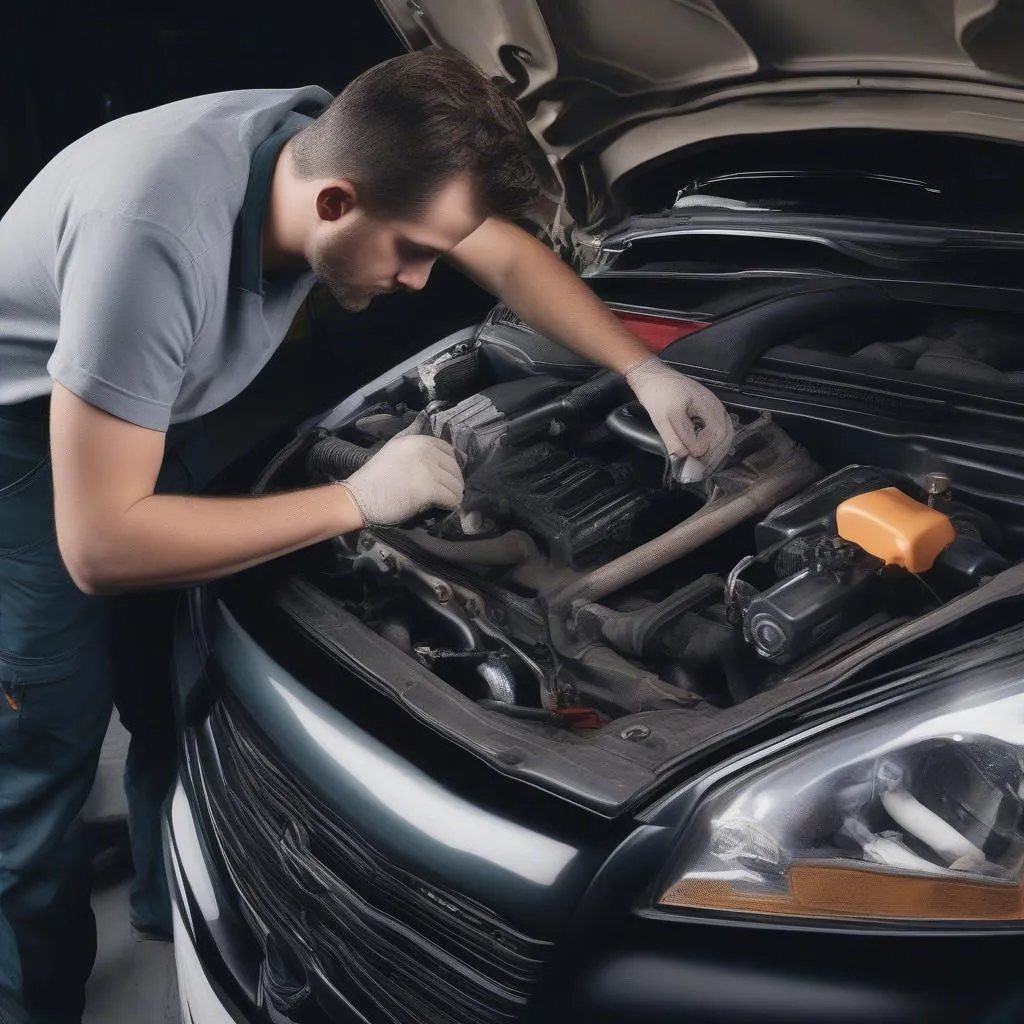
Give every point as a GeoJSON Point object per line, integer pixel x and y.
{"type": "Point", "coordinates": [147, 275]}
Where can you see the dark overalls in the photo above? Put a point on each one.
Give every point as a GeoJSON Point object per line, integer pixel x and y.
{"type": "Point", "coordinates": [65, 660]}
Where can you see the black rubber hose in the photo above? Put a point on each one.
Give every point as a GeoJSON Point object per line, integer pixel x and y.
{"type": "Point", "coordinates": [727, 349]}
{"type": "Point", "coordinates": [515, 547]}
{"type": "Point", "coordinates": [625, 424]}
{"type": "Point", "coordinates": [334, 459]}
{"type": "Point", "coordinates": [613, 684]}
{"type": "Point", "coordinates": [601, 392]}
{"type": "Point", "coordinates": [632, 632]}
{"type": "Point", "coordinates": [700, 643]}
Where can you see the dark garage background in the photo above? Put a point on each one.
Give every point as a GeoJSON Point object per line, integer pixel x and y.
{"type": "Point", "coordinates": [69, 66]}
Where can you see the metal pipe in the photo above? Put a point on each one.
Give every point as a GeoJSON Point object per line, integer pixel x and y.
{"type": "Point", "coordinates": [793, 472]}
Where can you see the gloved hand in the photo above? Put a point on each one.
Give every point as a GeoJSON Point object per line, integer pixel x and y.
{"type": "Point", "coordinates": [411, 473]}
{"type": "Point", "coordinates": [676, 404]}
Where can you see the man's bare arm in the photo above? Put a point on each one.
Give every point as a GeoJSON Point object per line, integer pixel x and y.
{"type": "Point", "coordinates": [532, 281]}
{"type": "Point", "coordinates": [114, 534]}
{"type": "Point", "coordinates": [528, 277]}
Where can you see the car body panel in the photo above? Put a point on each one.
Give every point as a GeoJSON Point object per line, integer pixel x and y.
{"type": "Point", "coordinates": [213, 957]}
{"type": "Point", "coordinates": [516, 869]}
{"type": "Point", "coordinates": [619, 960]}
{"type": "Point", "coordinates": [199, 999]}
{"type": "Point", "coordinates": [606, 93]}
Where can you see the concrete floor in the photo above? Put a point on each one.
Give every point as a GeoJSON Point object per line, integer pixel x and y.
{"type": "Point", "coordinates": [133, 982]}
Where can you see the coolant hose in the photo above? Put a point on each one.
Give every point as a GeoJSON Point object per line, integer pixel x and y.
{"type": "Point", "coordinates": [793, 472]}
{"type": "Point", "coordinates": [600, 392]}
{"type": "Point", "coordinates": [631, 632]}
{"type": "Point", "coordinates": [625, 425]}
{"type": "Point", "coordinates": [611, 682]}
{"type": "Point", "coordinates": [512, 548]}
{"type": "Point", "coordinates": [333, 458]}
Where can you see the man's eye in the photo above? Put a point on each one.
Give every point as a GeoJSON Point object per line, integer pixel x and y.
{"type": "Point", "coordinates": [419, 255]}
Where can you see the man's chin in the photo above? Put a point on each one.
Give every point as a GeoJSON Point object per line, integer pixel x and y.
{"type": "Point", "coordinates": [356, 303]}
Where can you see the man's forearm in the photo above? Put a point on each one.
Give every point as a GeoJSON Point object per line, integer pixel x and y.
{"type": "Point", "coordinates": [533, 282]}
{"type": "Point", "coordinates": [548, 295]}
{"type": "Point", "coordinates": [171, 540]}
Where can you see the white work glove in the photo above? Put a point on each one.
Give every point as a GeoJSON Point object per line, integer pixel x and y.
{"type": "Point", "coordinates": [411, 473]}
{"type": "Point", "coordinates": [676, 405]}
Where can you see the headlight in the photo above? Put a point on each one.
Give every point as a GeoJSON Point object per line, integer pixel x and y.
{"type": "Point", "coordinates": [914, 812]}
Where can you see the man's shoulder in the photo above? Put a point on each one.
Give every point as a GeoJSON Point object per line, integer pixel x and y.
{"type": "Point", "coordinates": [183, 166]}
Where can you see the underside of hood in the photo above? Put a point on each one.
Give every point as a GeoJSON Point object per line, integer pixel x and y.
{"type": "Point", "coordinates": [609, 85]}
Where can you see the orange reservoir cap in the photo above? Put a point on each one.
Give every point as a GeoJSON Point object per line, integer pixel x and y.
{"type": "Point", "coordinates": [894, 527]}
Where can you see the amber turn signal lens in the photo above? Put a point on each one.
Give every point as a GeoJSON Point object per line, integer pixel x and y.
{"type": "Point", "coordinates": [858, 891]}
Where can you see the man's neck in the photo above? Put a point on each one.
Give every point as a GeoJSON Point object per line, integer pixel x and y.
{"type": "Point", "coordinates": [282, 244]}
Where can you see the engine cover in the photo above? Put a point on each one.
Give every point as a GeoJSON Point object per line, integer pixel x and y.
{"type": "Point", "coordinates": [579, 508]}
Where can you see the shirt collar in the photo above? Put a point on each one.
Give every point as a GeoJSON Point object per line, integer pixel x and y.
{"type": "Point", "coordinates": [249, 237]}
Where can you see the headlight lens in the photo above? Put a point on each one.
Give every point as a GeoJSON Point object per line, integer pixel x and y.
{"type": "Point", "coordinates": [913, 812]}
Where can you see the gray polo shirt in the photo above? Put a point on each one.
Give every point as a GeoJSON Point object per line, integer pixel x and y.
{"type": "Point", "coordinates": [130, 266]}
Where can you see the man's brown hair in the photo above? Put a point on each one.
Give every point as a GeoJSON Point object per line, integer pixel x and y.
{"type": "Point", "coordinates": [406, 127]}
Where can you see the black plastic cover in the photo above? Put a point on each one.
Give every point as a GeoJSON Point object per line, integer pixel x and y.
{"type": "Point", "coordinates": [814, 510]}
{"type": "Point", "coordinates": [809, 609]}
{"type": "Point", "coordinates": [968, 561]}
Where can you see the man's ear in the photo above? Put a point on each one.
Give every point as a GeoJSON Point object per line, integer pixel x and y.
{"type": "Point", "coordinates": [336, 199]}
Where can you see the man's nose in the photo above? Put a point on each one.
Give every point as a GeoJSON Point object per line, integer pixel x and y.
{"type": "Point", "coordinates": [414, 278]}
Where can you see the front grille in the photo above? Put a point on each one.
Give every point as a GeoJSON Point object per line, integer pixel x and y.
{"type": "Point", "coordinates": [399, 948]}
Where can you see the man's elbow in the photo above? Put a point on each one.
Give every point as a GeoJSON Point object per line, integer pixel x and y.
{"type": "Point", "coordinates": [89, 581]}
{"type": "Point", "coordinates": [90, 566]}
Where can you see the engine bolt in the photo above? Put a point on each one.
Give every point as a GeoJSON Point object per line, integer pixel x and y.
{"type": "Point", "coordinates": [442, 592]}
{"type": "Point", "coordinates": [937, 486]}
{"type": "Point", "coordinates": [472, 606]}
{"type": "Point", "coordinates": [635, 732]}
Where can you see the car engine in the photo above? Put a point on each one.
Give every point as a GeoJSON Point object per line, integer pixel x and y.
{"type": "Point", "coordinates": [581, 581]}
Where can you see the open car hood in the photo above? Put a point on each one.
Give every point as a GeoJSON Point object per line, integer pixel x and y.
{"type": "Point", "coordinates": [609, 86]}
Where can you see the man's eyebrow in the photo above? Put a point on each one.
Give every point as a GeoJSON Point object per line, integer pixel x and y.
{"type": "Point", "coordinates": [431, 250]}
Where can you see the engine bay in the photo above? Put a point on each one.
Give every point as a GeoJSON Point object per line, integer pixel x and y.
{"type": "Point", "coordinates": [582, 580]}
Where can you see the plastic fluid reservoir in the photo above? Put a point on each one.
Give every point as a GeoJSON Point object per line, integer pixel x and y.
{"type": "Point", "coordinates": [894, 527]}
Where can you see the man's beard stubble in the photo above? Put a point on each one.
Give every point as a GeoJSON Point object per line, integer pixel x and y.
{"type": "Point", "coordinates": [335, 276]}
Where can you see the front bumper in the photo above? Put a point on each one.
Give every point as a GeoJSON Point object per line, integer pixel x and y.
{"type": "Point", "coordinates": [613, 962]}
{"type": "Point", "coordinates": [200, 1001]}
{"type": "Point", "coordinates": [799, 980]}
{"type": "Point", "coordinates": [216, 968]}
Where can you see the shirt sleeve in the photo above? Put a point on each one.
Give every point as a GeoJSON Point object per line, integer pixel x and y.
{"type": "Point", "coordinates": [130, 310]}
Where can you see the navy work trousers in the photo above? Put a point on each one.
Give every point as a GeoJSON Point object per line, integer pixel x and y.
{"type": "Point", "coordinates": [65, 660]}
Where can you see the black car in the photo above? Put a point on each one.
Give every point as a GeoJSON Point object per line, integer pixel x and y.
{"type": "Point", "coordinates": [608, 745]}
